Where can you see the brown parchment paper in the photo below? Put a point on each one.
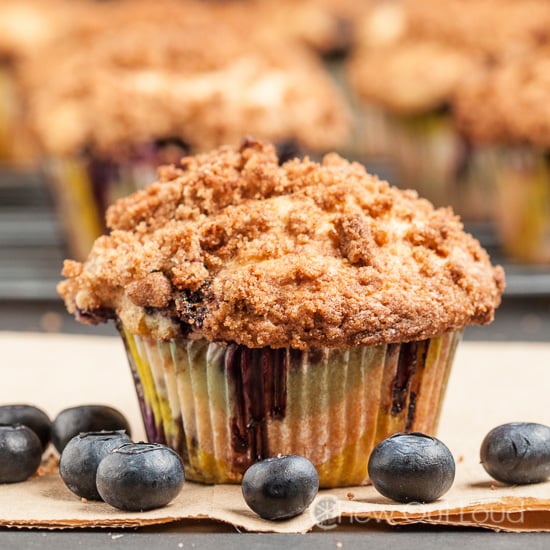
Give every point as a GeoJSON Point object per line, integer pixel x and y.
{"type": "Point", "coordinates": [491, 383]}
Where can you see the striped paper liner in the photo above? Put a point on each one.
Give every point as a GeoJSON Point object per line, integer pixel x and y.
{"type": "Point", "coordinates": [222, 407]}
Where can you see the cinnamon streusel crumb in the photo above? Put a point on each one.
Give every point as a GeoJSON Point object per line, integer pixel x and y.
{"type": "Point", "coordinates": [233, 247]}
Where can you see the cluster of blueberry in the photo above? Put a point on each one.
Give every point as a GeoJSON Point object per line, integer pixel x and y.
{"type": "Point", "coordinates": [26, 431]}
{"type": "Point", "coordinates": [98, 461]}
{"type": "Point", "coordinates": [108, 466]}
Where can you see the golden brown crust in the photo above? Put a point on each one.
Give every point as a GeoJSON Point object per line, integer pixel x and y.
{"type": "Point", "coordinates": [150, 74]}
{"type": "Point", "coordinates": [507, 103]}
{"type": "Point", "coordinates": [300, 255]}
{"type": "Point", "coordinates": [410, 56]}
{"type": "Point", "coordinates": [492, 28]}
{"type": "Point", "coordinates": [411, 77]}
{"type": "Point", "coordinates": [399, 68]}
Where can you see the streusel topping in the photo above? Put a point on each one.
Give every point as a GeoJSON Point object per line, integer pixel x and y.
{"type": "Point", "coordinates": [233, 247]}
{"type": "Point", "coordinates": [507, 103]}
{"type": "Point", "coordinates": [410, 56]}
{"type": "Point", "coordinates": [411, 77]}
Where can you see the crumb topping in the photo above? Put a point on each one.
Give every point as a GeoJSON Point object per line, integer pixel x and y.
{"type": "Point", "coordinates": [411, 77]}
{"type": "Point", "coordinates": [410, 56]}
{"type": "Point", "coordinates": [233, 247]}
{"type": "Point", "coordinates": [507, 103]}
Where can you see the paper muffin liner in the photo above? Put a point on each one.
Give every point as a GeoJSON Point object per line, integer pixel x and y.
{"type": "Point", "coordinates": [83, 186]}
{"type": "Point", "coordinates": [222, 407]}
{"type": "Point", "coordinates": [522, 203]}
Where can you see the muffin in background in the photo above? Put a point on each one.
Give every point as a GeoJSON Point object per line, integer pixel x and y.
{"type": "Point", "coordinates": [409, 58]}
{"type": "Point", "coordinates": [107, 111]}
{"type": "Point", "coordinates": [270, 308]}
{"type": "Point", "coordinates": [505, 111]}
{"type": "Point", "coordinates": [27, 26]}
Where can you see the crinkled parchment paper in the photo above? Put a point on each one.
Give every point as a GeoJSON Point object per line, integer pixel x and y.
{"type": "Point", "coordinates": [491, 383]}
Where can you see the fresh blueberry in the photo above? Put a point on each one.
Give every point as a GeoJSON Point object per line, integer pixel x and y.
{"type": "Point", "coordinates": [81, 457]}
{"type": "Point", "coordinates": [280, 487]}
{"type": "Point", "coordinates": [85, 418]}
{"type": "Point", "coordinates": [20, 453]}
{"type": "Point", "coordinates": [517, 452]}
{"type": "Point", "coordinates": [29, 415]}
{"type": "Point", "coordinates": [411, 467]}
{"type": "Point", "coordinates": [140, 476]}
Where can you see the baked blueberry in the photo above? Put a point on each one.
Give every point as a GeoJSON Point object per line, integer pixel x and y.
{"type": "Point", "coordinates": [81, 457]}
{"type": "Point", "coordinates": [140, 476]}
{"type": "Point", "coordinates": [280, 487]}
{"type": "Point", "coordinates": [411, 467]}
{"type": "Point", "coordinates": [20, 453]}
{"type": "Point", "coordinates": [85, 418]}
{"type": "Point", "coordinates": [29, 415]}
{"type": "Point", "coordinates": [517, 452]}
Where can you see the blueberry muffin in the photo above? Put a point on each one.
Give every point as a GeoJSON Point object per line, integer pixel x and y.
{"type": "Point", "coordinates": [504, 111]}
{"type": "Point", "coordinates": [408, 61]}
{"type": "Point", "coordinates": [305, 308]}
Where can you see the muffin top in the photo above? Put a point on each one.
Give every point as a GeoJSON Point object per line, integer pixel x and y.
{"type": "Point", "coordinates": [491, 28]}
{"type": "Point", "coordinates": [410, 56]}
{"type": "Point", "coordinates": [413, 77]}
{"type": "Point", "coordinates": [233, 247]}
{"type": "Point", "coordinates": [395, 66]}
{"type": "Point", "coordinates": [508, 102]}
{"type": "Point", "coordinates": [148, 76]}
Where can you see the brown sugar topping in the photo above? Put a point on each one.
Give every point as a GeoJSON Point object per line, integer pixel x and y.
{"type": "Point", "coordinates": [507, 103]}
{"type": "Point", "coordinates": [411, 56]}
{"type": "Point", "coordinates": [233, 247]}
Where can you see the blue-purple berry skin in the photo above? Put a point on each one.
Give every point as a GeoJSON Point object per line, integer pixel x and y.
{"type": "Point", "coordinates": [411, 467]}
{"type": "Point", "coordinates": [20, 453]}
{"type": "Point", "coordinates": [281, 487]}
{"type": "Point", "coordinates": [81, 457]}
{"type": "Point", "coordinates": [85, 418]}
{"type": "Point", "coordinates": [28, 415]}
{"type": "Point", "coordinates": [140, 476]}
{"type": "Point", "coordinates": [517, 453]}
